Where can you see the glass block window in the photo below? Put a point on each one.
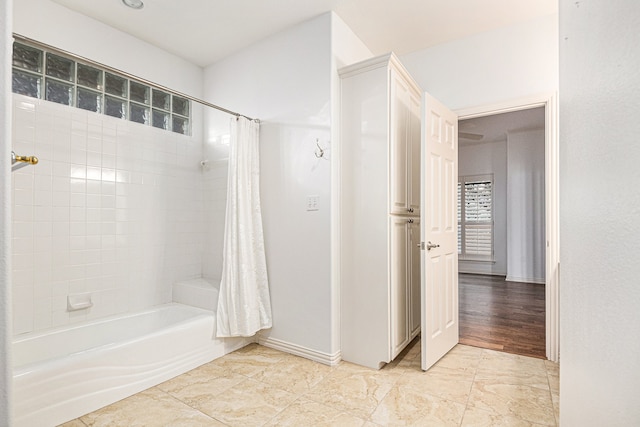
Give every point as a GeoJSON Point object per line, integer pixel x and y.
{"type": "Point", "coordinates": [60, 68]}
{"type": "Point", "coordinates": [59, 92]}
{"type": "Point", "coordinates": [26, 84]}
{"type": "Point", "coordinates": [27, 58]}
{"type": "Point", "coordinates": [53, 76]}
{"type": "Point", "coordinates": [116, 85]}
{"type": "Point", "coordinates": [89, 77]}
{"type": "Point", "coordinates": [139, 92]}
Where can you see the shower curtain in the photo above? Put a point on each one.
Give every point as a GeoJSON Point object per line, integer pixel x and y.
{"type": "Point", "coordinates": [244, 305]}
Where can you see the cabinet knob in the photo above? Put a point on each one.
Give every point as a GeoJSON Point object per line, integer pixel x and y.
{"type": "Point", "coordinates": [410, 221]}
{"type": "Point", "coordinates": [410, 209]}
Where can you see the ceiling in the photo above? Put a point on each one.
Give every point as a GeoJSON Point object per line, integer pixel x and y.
{"type": "Point", "coordinates": [204, 31]}
{"type": "Point", "coordinates": [494, 128]}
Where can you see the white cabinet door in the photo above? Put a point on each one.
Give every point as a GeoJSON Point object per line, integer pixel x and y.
{"type": "Point", "coordinates": [404, 153]}
{"type": "Point", "coordinates": [439, 225]}
{"type": "Point", "coordinates": [399, 312]}
{"type": "Point", "coordinates": [413, 154]}
{"type": "Point", "coordinates": [414, 277]}
{"type": "Point", "coordinates": [398, 140]}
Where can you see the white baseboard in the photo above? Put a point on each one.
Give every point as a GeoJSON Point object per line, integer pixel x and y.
{"type": "Point", "coordinates": [481, 273]}
{"type": "Point", "coordinates": [526, 280]}
{"type": "Point", "coordinates": [471, 267]}
{"type": "Point", "coordinates": [307, 353]}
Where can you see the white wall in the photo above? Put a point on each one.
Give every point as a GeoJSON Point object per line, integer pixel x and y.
{"type": "Point", "coordinates": [599, 252]}
{"type": "Point", "coordinates": [48, 22]}
{"type": "Point", "coordinates": [287, 80]}
{"type": "Point", "coordinates": [482, 159]}
{"type": "Point", "coordinates": [347, 49]}
{"type": "Point", "coordinates": [6, 372]}
{"type": "Point", "coordinates": [496, 66]}
{"type": "Point", "coordinates": [526, 239]}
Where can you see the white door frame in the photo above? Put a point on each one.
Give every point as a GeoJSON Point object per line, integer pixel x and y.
{"type": "Point", "coordinates": [550, 102]}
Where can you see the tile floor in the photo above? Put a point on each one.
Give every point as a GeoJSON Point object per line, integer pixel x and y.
{"type": "Point", "coordinates": [259, 386]}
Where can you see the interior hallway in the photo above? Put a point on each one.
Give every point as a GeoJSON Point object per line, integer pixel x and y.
{"type": "Point", "coordinates": [259, 386]}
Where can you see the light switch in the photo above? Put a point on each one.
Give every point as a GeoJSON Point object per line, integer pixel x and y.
{"type": "Point", "coordinates": [313, 203]}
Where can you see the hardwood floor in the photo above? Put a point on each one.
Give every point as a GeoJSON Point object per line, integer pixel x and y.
{"type": "Point", "coordinates": [501, 315]}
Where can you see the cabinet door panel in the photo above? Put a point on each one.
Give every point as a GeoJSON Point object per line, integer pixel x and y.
{"type": "Point", "coordinates": [413, 152]}
{"type": "Point", "coordinates": [414, 278]}
{"type": "Point", "coordinates": [399, 312]}
{"type": "Point", "coordinates": [398, 139]}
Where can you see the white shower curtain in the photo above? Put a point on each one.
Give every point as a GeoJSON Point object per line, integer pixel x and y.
{"type": "Point", "coordinates": [244, 305]}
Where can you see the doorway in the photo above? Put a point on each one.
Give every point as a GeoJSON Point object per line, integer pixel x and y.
{"type": "Point", "coordinates": [511, 288]}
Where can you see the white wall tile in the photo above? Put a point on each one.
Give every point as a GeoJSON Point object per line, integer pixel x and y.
{"type": "Point", "coordinates": [113, 208]}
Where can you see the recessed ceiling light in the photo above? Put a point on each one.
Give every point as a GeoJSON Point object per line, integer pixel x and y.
{"type": "Point", "coordinates": [134, 4]}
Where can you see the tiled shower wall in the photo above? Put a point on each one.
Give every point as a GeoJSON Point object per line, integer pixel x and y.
{"type": "Point", "coordinates": [214, 174]}
{"type": "Point", "coordinates": [114, 208]}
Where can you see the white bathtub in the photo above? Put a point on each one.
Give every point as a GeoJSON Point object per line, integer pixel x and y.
{"type": "Point", "coordinates": [67, 372]}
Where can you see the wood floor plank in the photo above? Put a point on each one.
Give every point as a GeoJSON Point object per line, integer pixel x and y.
{"type": "Point", "coordinates": [502, 315]}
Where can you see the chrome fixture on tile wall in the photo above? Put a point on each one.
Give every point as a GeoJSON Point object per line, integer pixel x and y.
{"type": "Point", "coordinates": [18, 162]}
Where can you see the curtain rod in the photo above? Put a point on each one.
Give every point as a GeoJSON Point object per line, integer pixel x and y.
{"type": "Point", "coordinates": [21, 38]}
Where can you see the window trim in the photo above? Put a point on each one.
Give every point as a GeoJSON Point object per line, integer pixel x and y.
{"type": "Point", "coordinates": [462, 256]}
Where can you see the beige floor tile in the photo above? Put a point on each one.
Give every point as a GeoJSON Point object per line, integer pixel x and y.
{"type": "Point", "coordinates": [512, 369]}
{"type": "Point", "coordinates": [497, 360]}
{"type": "Point", "coordinates": [261, 386]}
{"type": "Point", "coordinates": [305, 412]}
{"type": "Point", "coordinates": [474, 417]}
{"type": "Point", "coordinates": [553, 374]}
{"type": "Point", "coordinates": [294, 374]}
{"type": "Point", "coordinates": [462, 358]}
{"type": "Point", "coordinates": [150, 408]}
{"type": "Point", "coordinates": [399, 367]}
{"type": "Point", "coordinates": [201, 383]}
{"type": "Point", "coordinates": [353, 389]}
{"type": "Point", "coordinates": [391, 371]}
{"type": "Point", "coordinates": [260, 349]}
{"type": "Point", "coordinates": [524, 402]}
{"type": "Point", "coordinates": [552, 367]}
{"type": "Point", "coordinates": [73, 423]}
{"type": "Point", "coordinates": [555, 398]}
{"type": "Point", "coordinates": [249, 403]}
{"type": "Point", "coordinates": [554, 383]}
{"type": "Point", "coordinates": [450, 384]}
{"type": "Point", "coordinates": [411, 351]}
{"type": "Point", "coordinates": [249, 360]}
{"type": "Point", "coordinates": [406, 407]}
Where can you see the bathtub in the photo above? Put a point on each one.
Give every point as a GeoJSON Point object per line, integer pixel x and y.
{"type": "Point", "coordinates": [64, 373]}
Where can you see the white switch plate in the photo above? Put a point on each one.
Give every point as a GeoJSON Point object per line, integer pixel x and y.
{"type": "Point", "coordinates": [313, 203]}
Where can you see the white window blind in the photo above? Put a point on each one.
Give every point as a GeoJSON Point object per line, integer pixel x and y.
{"type": "Point", "coordinates": [475, 217]}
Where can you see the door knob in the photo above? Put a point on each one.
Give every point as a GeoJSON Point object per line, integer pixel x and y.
{"type": "Point", "coordinates": [431, 246]}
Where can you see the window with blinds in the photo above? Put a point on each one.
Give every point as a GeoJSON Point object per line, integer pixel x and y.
{"type": "Point", "coordinates": [475, 217]}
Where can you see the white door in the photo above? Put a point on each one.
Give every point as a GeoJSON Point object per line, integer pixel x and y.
{"type": "Point", "coordinates": [414, 276]}
{"type": "Point", "coordinates": [439, 231]}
